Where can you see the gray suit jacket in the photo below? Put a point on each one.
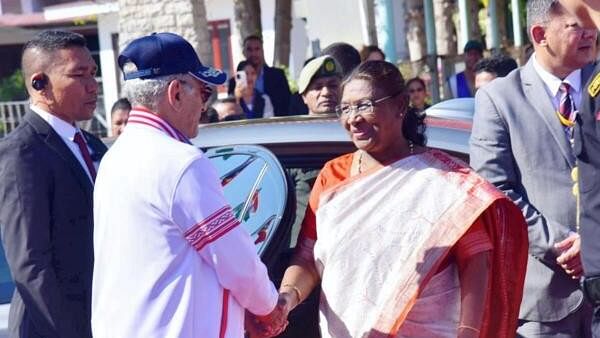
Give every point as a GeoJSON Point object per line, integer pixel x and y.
{"type": "Point", "coordinates": [47, 231]}
{"type": "Point", "coordinates": [519, 145]}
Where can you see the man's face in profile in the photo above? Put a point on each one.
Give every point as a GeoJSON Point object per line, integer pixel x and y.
{"type": "Point", "coordinates": [587, 11]}
{"type": "Point", "coordinates": [72, 87]}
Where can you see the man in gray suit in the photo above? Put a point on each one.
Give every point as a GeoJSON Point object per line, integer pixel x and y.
{"type": "Point", "coordinates": [47, 172]}
{"type": "Point", "coordinates": [521, 142]}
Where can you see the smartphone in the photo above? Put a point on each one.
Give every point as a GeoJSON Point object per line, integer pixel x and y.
{"type": "Point", "coordinates": [241, 78]}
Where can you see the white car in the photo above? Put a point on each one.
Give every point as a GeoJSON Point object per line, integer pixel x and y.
{"type": "Point", "coordinates": [259, 162]}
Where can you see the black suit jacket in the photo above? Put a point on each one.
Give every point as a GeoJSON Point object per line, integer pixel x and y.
{"type": "Point", "coordinates": [46, 221]}
{"type": "Point", "coordinates": [276, 86]}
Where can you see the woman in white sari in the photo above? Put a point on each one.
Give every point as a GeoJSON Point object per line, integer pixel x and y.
{"type": "Point", "coordinates": [404, 241]}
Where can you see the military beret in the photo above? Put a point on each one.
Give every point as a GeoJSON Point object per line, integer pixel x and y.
{"type": "Point", "coordinates": [320, 67]}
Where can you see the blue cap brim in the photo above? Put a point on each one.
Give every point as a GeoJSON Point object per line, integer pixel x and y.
{"type": "Point", "coordinates": [209, 75]}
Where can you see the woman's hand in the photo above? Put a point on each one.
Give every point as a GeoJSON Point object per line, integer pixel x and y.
{"type": "Point", "coordinates": [272, 324]}
{"type": "Point", "coordinates": [240, 90]}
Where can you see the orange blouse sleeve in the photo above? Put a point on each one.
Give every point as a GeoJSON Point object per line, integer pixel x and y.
{"type": "Point", "coordinates": [474, 241]}
{"type": "Point", "coordinates": [332, 173]}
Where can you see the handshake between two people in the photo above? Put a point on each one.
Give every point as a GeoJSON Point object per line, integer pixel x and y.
{"type": "Point", "coordinates": [275, 322]}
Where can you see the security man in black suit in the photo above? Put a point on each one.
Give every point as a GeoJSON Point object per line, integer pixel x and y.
{"type": "Point", "coordinates": [48, 167]}
{"type": "Point", "coordinates": [587, 150]}
{"type": "Point", "coordinates": [270, 80]}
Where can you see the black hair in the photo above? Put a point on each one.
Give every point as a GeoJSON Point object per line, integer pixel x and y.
{"type": "Point", "coordinates": [367, 50]}
{"type": "Point", "coordinates": [49, 41]}
{"type": "Point", "coordinates": [386, 79]}
{"type": "Point", "coordinates": [53, 40]}
{"type": "Point", "coordinates": [346, 55]}
{"type": "Point", "coordinates": [252, 37]}
{"type": "Point", "coordinates": [243, 65]}
{"type": "Point", "coordinates": [418, 80]}
{"type": "Point", "coordinates": [121, 103]}
{"type": "Point", "coordinates": [498, 64]}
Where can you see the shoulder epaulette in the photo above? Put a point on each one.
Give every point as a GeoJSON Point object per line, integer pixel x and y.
{"type": "Point", "coordinates": [594, 87]}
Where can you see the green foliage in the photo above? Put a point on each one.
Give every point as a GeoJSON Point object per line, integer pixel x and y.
{"type": "Point", "coordinates": [12, 88]}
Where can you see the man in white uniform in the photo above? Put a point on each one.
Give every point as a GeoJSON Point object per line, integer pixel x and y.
{"type": "Point", "coordinates": [170, 257]}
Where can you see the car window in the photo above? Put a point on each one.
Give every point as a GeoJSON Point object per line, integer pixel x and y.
{"type": "Point", "coordinates": [255, 186]}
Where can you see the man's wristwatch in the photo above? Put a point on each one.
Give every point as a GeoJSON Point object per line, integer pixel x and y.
{"type": "Point", "coordinates": [591, 289]}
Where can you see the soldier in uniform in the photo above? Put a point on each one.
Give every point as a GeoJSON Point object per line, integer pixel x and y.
{"type": "Point", "coordinates": [319, 87]}
{"type": "Point", "coordinates": [587, 150]}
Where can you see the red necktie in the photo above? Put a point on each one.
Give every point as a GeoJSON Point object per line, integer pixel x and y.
{"type": "Point", "coordinates": [86, 154]}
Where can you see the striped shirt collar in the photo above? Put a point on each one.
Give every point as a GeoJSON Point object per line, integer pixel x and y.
{"type": "Point", "coordinates": [143, 116]}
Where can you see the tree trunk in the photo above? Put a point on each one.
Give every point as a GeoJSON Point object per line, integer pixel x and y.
{"type": "Point", "coordinates": [247, 18]}
{"type": "Point", "coordinates": [445, 32]}
{"type": "Point", "coordinates": [415, 30]}
{"type": "Point", "coordinates": [444, 27]}
{"type": "Point", "coordinates": [475, 29]}
{"type": "Point", "coordinates": [184, 17]}
{"type": "Point", "coordinates": [368, 7]}
{"type": "Point", "coordinates": [283, 28]}
{"type": "Point", "coordinates": [501, 11]}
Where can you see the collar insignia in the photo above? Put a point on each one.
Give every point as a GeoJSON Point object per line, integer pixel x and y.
{"type": "Point", "coordinates": [594, 87]}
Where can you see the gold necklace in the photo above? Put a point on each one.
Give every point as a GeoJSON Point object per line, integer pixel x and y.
{"type": "Point", "coordinates": [411, 150]}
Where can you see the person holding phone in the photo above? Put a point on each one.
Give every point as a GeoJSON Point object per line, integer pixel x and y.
{"type": "Point", "coordinates": [254, 103]}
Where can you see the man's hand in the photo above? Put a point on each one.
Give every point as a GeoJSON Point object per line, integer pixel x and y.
{"type": "Point", "coordinates": [272, 324]}
{"type": "Point", "coordinates": [569, 257]}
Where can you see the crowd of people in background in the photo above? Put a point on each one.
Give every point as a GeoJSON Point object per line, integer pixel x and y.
{"type": "Point", "coordinates": [252, 89]}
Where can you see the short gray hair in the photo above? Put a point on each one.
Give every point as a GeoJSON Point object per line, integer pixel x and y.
{"type": "Point", "coordinates": [541, 11]}
{"type": "Point", "coordinates": [148, 92]}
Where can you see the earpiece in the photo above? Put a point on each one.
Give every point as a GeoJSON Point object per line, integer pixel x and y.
{"type": "Point", "coordinates": [39, 83]}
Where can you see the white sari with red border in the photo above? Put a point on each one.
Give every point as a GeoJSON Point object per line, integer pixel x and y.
{"type": "Point", "coordinates": [381, 237]}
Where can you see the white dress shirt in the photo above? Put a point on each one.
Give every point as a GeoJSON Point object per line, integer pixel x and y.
{"type": "Point", "coordinates": [66, 131]}
{"type": "Point", "coordinates": [553, 84]}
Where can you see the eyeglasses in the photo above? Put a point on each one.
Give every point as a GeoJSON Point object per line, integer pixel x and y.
{"type": "Point", "coordinates": [363, 108]}
{"type": "Point", "coordinates": [206, 93]}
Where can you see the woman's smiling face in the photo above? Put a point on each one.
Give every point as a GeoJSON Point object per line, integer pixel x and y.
{"type": "Point", "coordinates": [379, 130]}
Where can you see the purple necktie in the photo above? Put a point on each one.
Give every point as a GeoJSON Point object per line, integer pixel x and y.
{"type": "Point", "coordinates": [565, 105]}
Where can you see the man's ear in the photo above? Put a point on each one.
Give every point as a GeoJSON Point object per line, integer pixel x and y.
{"type": "Point", "coordinates": [174, 94]}
{"type": "Point", "coordinates": [538, 34]}
{"type": "Point", "coordinates": [39, 81]}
